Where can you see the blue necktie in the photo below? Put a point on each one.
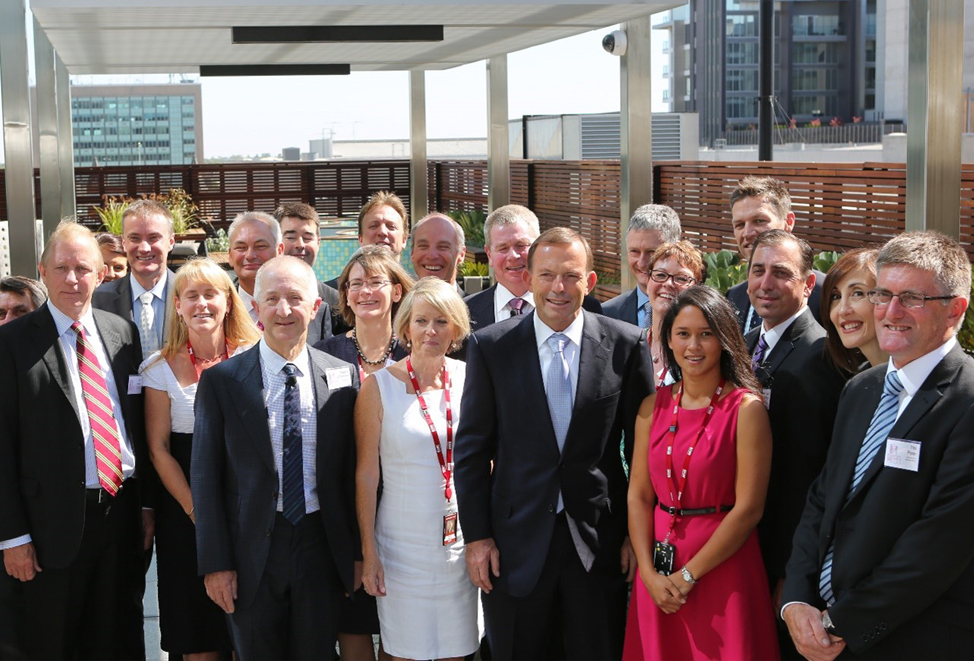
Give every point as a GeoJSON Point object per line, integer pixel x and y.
{"type": "Point", "coordinates": [753, 320]}
{"type": "Point", "coordinates": [648, 315]}
{"type": "Point", "coordinates": [883, 420]}
{"type": "Point", "coordinates": [292, 467]}
{"type": "Point", "coordinates": [758, 356]}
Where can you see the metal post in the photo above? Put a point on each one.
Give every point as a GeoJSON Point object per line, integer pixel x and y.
{"type": "Point", "coordinates": [498, 147]}
{"type": "Point", "coordinates": [47, 130]}
{"type": "Point", "coordinates": [766, 83]}
{"type": "Point", "coordinates": [65, 135]}
{"type": "Point", "coordinates": [418, 172]}
{"type": "Point", "coordinates": [635, 132]}
{"type": "Point", "coordinates": [936, 57]}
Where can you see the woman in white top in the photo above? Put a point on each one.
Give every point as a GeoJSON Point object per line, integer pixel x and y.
{"type": "Point", "coordinates": [207, 325]}
{"type": "Point", "coordinates": [412, 544]}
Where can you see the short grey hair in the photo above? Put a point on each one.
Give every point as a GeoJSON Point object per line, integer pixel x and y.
{"type": "Point", "coordinates": [248, 217]}
{"type": "Point", "coordinates": [508, 215]}
{"type": "Point", "coordinates": [658, 217]}
{"type": "Point", "coordinates": [286, 262]}
{"type": "Point", "coordinates": [18, 284]}
{"type": "Point", "coordinates": [461, 237]}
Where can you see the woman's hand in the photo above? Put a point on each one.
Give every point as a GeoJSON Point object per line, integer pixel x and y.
{"type": "Point", "coordinates": [664, 592]}
{"type": "Point", "coordinates": [681, 585]}
{"type": "Point", "coordinates": [373, 578]}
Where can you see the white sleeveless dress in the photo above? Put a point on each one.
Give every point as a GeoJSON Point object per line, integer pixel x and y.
{"type": "Point", "coordinates": [430, 607]}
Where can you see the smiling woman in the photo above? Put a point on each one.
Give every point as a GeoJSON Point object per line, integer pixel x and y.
{"type": "Point", "coordinates": [847, 314]}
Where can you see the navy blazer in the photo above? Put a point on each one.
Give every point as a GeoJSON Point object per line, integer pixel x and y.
{"type": "Point", "coordinates": [116, 297]}
{"type": "Point", "coordinates": [624, 307]}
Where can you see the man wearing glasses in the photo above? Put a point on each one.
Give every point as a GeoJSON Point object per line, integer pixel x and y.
{"type": "Point", "coordinates": [882, 557]}
{"type": "Point", "coordinates": [800, 386]}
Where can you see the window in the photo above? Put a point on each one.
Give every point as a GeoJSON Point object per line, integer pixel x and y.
{"type": "Point", "coordinates": [804, 53]}
{"type": "Point", "coordinates": [742, 80]}
{"type": "Point", "coordinates": [741, 25]}
{"type": "Point", "coordinates": [742, 53]}
{"type": "Point", "coordinates": [739, 106]}
{"type": "Point", "coordinates": [817, 26]}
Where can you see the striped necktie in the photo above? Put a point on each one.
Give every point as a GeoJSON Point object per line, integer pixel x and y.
{"type": "Point", "coordinates": [758, 358]}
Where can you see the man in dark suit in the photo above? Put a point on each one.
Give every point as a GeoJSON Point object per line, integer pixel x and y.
{"type": "Point", "coordinates": [19, 296]}
{"type": "Point", "coordinates": [143, 294]}
{"type": "Point", "coordinates": [651, 226]}
{"type": "Point", "coordinates": [541, 489]}
{"type": "Point", "coordinates": [882, 559]}
{"type": "Point", "coordinates": [801, 389]}
{"type": "Point", "coordinates": [759, 204]}
{"type": "Point", "coordinates": [382, 221]}
{"type": "Point", "coordinates": [273, 475]}
{"type": "Point", "coordinates": [73, 460]}
{"type": "Point", "coordinates": [439, 246]}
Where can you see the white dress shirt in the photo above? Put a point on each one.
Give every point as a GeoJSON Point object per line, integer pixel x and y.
{"type": "Point", "coordinates": [158, 304]}
{"type": "Point", "coordinates": [248, 302]}
{"type": "Point", "coordinates": [572, 348]}
{"type": "Point", "coordinates": [502, 300]}
{"type": "Point", "coordinates": [772, 335]}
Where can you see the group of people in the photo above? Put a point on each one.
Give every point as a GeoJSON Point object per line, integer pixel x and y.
{"type": "Point", "coordinates": [504, 473]}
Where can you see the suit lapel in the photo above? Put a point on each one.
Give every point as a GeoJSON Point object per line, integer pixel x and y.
{"type": "Point", "coordinates": [123, 298]}
{"type": "Point", "coordinates": [592, 358]}
{"type": "Point", "coordinates": [318, 368]}
{"type": "Point", "coordinates": [786, 343]}
{"type": "Point", "coordinates": [47, 339]}
{"type": "Point", "coordinates": [524, 352]}
{"type": "Point", "coordinates": [251, 406]}
{"type": "Point", "coordinates": [631, 310]}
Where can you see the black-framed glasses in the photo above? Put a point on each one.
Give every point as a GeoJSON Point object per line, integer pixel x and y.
{"type": "Point", "coordinates": [372, 285]}
{"type": "Point", "coordinates": [678, 279]}
{"type": "Point", "coordinates": [908, 299]}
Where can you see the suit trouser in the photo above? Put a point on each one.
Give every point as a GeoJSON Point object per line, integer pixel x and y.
{"type": "Point", "coordinates": [517, 626]}
{"type": "Point", "coordinates": [295, 612]}
{"type": "Point", "coordinates": [83, 611]}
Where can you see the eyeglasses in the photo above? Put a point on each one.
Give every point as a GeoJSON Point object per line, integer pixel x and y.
{"type": "Point", "coordinates": [678, 279]}
{"type": "Point", "coordinates": [371, 285]}
{"type": "Point", "coordinates": [908, 299]}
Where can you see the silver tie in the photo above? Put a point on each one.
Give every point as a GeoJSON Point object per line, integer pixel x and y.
{"type": "Point", "coordinates": [147, 331]}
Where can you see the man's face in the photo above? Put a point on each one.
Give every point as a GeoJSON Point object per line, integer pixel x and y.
{"type": "Point", "coordinates": [286, 307]}
{"type": "Point", "coordinates": [775, 282]}
{"type": "Point", "coordinates": [13, 305]}
{"type": "Point", "coordinates": [507, 252]}
{"type": "Point", "coordinates": [640, 246]}
{"type": "Point", "coordinates": [252, 244]}
{"type": "Point", "coordinates": [560, 280]}
{"type": "Point", "coordinates": [383, 226]}
{"type": "Point", "coordinates": [751, 216]}
{"type": "Point", "coordinates": [908, 333]}
{"type": "Point", "coordinates": [147, 242]}
{"type": "Point", "coordinates": [435, 250]}
{"type": "Point", "coordinates": [300, 238]}
{"type": "Point", "coordinates": [71, 274]}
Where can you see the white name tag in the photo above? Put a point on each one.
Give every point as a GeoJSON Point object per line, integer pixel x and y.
{"type": "Point", "coordinates": [902, 454]}
{"type": "Point", "coordinates": [135, 384]}
{"type": "Point", "coordinates": [338, 377]}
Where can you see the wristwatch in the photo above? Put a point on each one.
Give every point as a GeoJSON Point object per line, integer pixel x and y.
{"type": "Point", "coordinates": [827, 623]}
{"type": "Point", "coordinates": [687, 576]}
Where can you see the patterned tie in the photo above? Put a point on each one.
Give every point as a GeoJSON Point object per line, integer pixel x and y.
{"type": "Point", "coordinates": [758, 356]}
{"type": "Point", "coordinates": [648, 316]}
{"type": "Point", "coordinates": [883, 420]}
{"type": "Point", "coordinates": [559, 394]}
{"type": "Point", "coordinates": [292, 466]}
{"type": "Point", "coordinates": [147, 331]}
{"type": "Point", "coordinates": [516, 304]}
{"type": "Point", "coordinates": [101, 415]}
{"type": "Point", "coordinates": [753, 321]}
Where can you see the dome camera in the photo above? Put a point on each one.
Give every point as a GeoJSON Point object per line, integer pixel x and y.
{"type": "Point", "coordinates": [614, 43]}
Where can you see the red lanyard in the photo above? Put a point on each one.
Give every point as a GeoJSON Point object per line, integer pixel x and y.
{"type": "Point", "coordinates": [446, 463]}
{"type": "Point", "coordinates": [361, 371]}
{"type": "Point", "coordinates": [673, 480]}
{"type": "Point", "coordinates": [662, 377]}
{"type": "Point", "coordinates": [192, 357]}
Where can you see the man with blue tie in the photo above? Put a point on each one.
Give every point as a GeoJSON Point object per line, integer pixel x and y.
{"type": "Point", "coordinates": [882, 559]}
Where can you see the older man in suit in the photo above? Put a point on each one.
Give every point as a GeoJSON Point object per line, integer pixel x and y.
{"type": "Point", "coordinates": [882, 559]}
{"type": "Point", "coordinates": [540, 483]}
{"type": "Point", "coordinates": [73, 460]}
{"type": "Point", "coordinates": [273, 479]}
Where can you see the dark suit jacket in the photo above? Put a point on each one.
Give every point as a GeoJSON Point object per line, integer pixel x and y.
{"type": "Point", "coordinates": [805, 391]}
{"type": "Point", "coordinates": [234, 479]}
{"type": "Point", "coordinates": [116, 297]}
{"type": "Point", "coordinates": [738, 296]}
{"type": "Point", "coordinates": [902, 573]}
{"type": "Point", "coordinates": [42, 462]}
{"type": "Point", "coordinates": [623, 307]}
{"type": "Point", "coordinates": [504, 418]}
{"type": "Point", "coordinates": [481, 306]}
{"type": "Point", "coordinates": [327, 322]}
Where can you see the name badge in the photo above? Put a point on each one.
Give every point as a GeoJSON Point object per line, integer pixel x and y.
{"type": "Point", "coordinates": [902, 454]}
{"type": "Point", "coordinates": [135, 384]}
{"type": "Point", "coordinates": [338, 377]}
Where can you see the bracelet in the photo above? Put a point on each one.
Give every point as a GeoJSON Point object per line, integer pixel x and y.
{"type": "Point", "coordinates": [687, 576]}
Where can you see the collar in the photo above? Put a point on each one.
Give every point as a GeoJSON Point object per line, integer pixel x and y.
{"type": "Point", "coordinates": [642, 298]}
{"type": "Point", "coordinates": [573, 332]}
{"type": "Point", "coordinates": [63, 322]}
{"type": "Point", "coordinates": [772, 336]}
{"type": "Point", "coordinates": [158, 291]}
{"type": "Point", "coordinates": [247, 298]}
{"type": "Point", "coordinates": [914, 373]}
{"type": "Point", "coordinates": [503, 295]}
{"type": "Point", "coordinates": [275, 362]}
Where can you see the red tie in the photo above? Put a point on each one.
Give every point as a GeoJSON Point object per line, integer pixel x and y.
{"type": "Point", "coordinates": [101, 415]}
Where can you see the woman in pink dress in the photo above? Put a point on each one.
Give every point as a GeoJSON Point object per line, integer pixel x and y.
{"type": "Point", "coordinates": [697, 488]}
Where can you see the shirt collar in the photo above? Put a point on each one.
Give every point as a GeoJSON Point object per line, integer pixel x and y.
{"type": "Point", "coordinates": [573, 332]}
{"type": "Point", "coordinates": [641, 298]}
{"type": "Point", "coordinates": [275, 362]}
{"type": "Point", "coordinates": [772, 336]}
{"type": "Point", "coordinates": [158, 290]}
{"type": "Point", "coordinates": [247, 298]}
{"type": "Point", "coordinates": [63, 322]}
{"type": "Point", "coordinates": [503, 296]}
{"type": "Point", "coordinates": [914, 373]}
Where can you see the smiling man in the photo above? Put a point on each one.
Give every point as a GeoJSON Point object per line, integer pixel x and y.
{"type": "Point", "coordinates": [439, 246]}
{"type": "Point", "coordinates": [19, 296]}
{"type": "Point", "coordinates": [882, 558]}
{"type": "Point", "coordinates": [255, 238]}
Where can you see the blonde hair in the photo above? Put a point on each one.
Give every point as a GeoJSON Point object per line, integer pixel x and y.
{"type": "Point", "coordinates": [443, 297]}
{"type": "Point", "coordinates": [68, 229]}
{"type": "Point", "coordinates": [374, 260]}
{"type": "Point", "coordinates": [238, 328]}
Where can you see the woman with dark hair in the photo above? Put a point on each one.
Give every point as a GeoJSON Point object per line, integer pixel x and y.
{"type": "Point", "coordinates": [847, 314]}
{"type": "Point", "coordinates": [703, 591]}
{"type": "Point", "coordinates": [113, 253]}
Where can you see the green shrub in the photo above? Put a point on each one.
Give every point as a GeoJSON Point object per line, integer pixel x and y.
{"type": "Point", "coordinates": [472, 223]}
{"type": "Point", "coordinates": [724, 270]}
{"type": "Point", "coordinates": [824, 260]}
{"type": "Point", "coordinates": [111, 212]}
{"type": "Point", "coordinates": [966, 333]}
{"type": "Point", "coordinates": [468, 268]}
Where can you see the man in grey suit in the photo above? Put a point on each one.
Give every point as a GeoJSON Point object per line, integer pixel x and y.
{"type": "Point", "coordinates": [273, 471]}
{"type": "Point", "coordinates": [651, 226]}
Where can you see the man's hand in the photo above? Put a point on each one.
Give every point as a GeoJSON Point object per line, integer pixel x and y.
{"type": "Point", "coordinates": [221, 587]}
{"type": "Point", "coordinates": [811, 639]}
{"type": "Point", "coordinates": [483, 559]}
{"type": "Point", "coordinates": [628, 560]}
{"type": "Point", "coordinates": [148, 528]}
{"type": "Point", "coordinates": [21, 562]}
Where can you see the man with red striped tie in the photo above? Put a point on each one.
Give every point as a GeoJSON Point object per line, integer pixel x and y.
{"type": "Point", "coordinates": [72, 441]}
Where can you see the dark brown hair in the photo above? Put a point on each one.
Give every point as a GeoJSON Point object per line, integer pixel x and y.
{"type": "Point", "coordinates": [842, 357]}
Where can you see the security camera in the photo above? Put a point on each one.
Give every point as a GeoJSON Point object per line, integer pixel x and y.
{"type": "Point", "coordinates": [615, 43]}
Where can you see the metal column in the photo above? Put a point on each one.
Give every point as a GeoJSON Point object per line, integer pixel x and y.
{"type": "Point", "coordinates": [766, 75]}
{"type": "Point", "coordinates": [418, 166]}
{"type": "Point", "coordinates": [635, 132]}
{"type": "Point", "coordinates": [47, 130]}
{"type": "Point", "coordinates": [934, 115]}
{"type": "Point", "coordinates": [498, 145]}
{"type": "Point", "coordinates": [17, 137]}
{"type": "Point", "coordinates": [65, 137]}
